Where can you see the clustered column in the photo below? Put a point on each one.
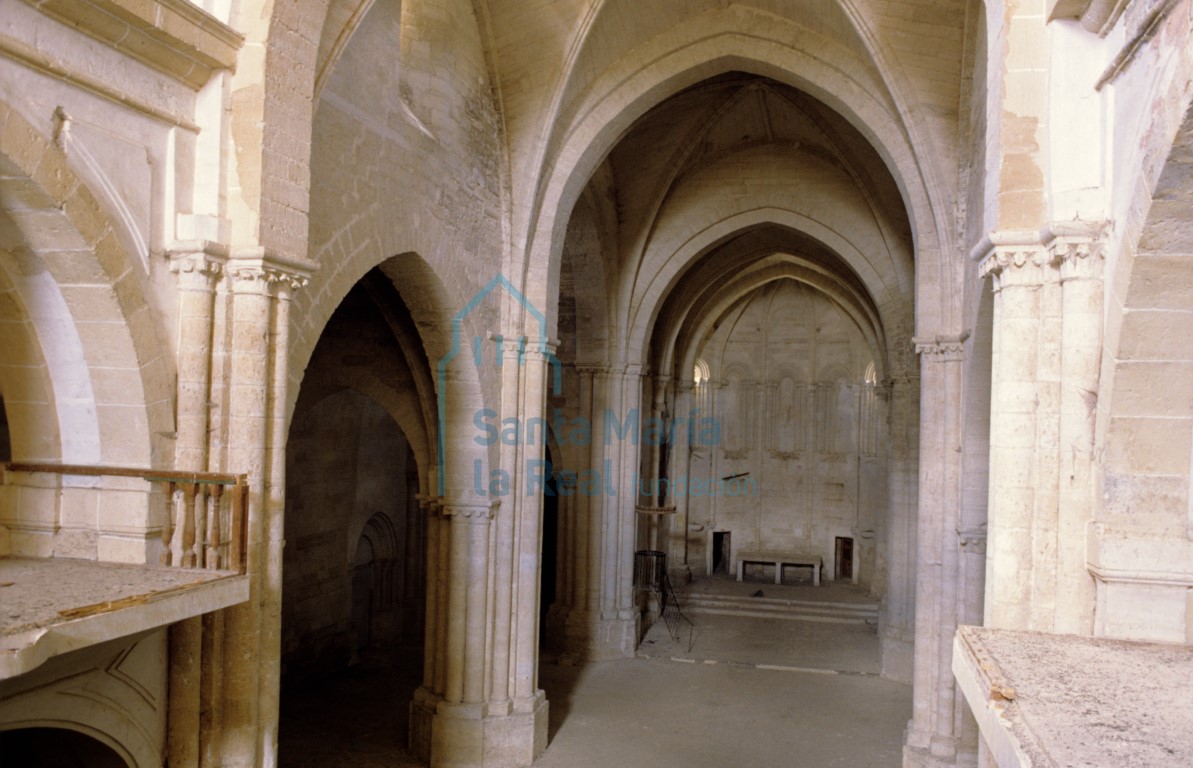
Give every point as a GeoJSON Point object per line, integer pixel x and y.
{"type": "Point", "coordinates": [480, 703]}
{"type": "Point", "coordinates": [257, 328]}
{"type": "Point", "coordinates": [232, 357]}
{"type": "Point", "coordinates": [1047, 345]}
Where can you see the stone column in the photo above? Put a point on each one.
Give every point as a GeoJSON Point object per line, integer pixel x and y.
{"type": "Point", "coordinates": [1020, 561]}
{"type": "Point", "coordinates": [584, 565]}
{"type": "Point", "coordinates": [938, 563]}
{"type": "Point", "coordinates": [198, 266]}
{"type": "Point", "coordinates": [249, 701]}
{"type": "Point", "coordinates": [457, 727]}
{"type": "Point", "coordinates": [1080, 257]}
{"type": "Point", "coordinates": [430, 693]}
{"type": "Point", "coordinates": [616, 402]}
{"type": "Point", "coordinates": [655, 472]}
{"type": "Point", "coordinates": [679, 467]}
{"type": "Point", "coordinates": [520, 731]}
{"type": "Point", "coordinates": [489, 710]}
{"type": "Point", "coordinates": [246, 413]}
{"type": "Point", "coordinates": [628, 398]}
{"type": "Point", "coordinates": [287, 279]}
{"type": "Point", "coordinates": [897, 621]}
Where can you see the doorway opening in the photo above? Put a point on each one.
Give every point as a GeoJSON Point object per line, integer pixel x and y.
{"type": "Point", "coordinates": [844, 559]}
{"type": "Point", "coordinates": [720, 552]}
{"type": "Point", "coordinates": [57, 748]}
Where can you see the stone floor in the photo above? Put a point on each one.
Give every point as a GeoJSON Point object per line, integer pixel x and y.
{"type": "Point", "coordinates": [796, 694]}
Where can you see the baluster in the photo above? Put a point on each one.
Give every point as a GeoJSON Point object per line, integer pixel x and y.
{"type": "Point", "coordinates": [214, 516]}
{"type": "Point", "coordinates": [189, 491]}
{"type": "Point", "coordinates": [168, 527]}
{"type": "Point", "coordinates": [240, 494]}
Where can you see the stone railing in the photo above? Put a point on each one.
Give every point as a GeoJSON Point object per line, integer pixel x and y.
{"type": "Point", "coordinates": [203, 523]}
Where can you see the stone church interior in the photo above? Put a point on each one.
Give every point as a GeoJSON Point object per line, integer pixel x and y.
{"type": "Point", "coordinates": [460, 368]}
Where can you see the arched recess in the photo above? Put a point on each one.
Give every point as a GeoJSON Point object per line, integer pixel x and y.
{"type": "Point", "coordinates": [805, 413]}
{"type": "Point", "coordinates": [376, 558]}
{"type": "Point", "coordinates": [707, 223]}
{"type": "Point", "coordinates": [736, 185]}
{"type": "Point", "coordinates": [349, 474]}
{"type": "Point", "coordinates": [115, 693]}
{"type": "Point", "coordinates": [685, 56]}
{"type": "Point", "coordinates": [25, 381]}
{"type": "Point", "coordinates": [45, 746]}
{"type": "Point", "coordinates": [689, 318]}
{"type": "Point", "coordinates": [84, 301]}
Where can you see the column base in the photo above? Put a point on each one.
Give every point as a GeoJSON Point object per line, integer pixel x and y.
{"type": "Point", "coordinates": [921, 758]}
{"type": "Point", "coordinates": [422, 715]}
{"type": "Point", "coordinates": [591, 638]}
{"type": "Point", "coordinates": [680, 575]}
{"type": "Point", "coordinates": [508, 734]}
{"type": "Point", "coordinates": [898, 659]}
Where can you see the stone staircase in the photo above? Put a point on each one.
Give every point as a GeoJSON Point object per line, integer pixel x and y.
{"type": "Point", "coordinates": [861, 613]}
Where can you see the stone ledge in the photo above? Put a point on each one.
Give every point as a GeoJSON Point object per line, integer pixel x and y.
{"type": "Point", "coordinates": [1116, 555]}
{"type": "Point", "coordinates": [171, 36]}
{"type": "Point", "coordinates": [57, 605]}
{"type": "Point", "coordinates": [1039, 698]}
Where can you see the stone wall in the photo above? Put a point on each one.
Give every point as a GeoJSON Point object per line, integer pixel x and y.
{"type": "Point", "coordinates": [798, 421]}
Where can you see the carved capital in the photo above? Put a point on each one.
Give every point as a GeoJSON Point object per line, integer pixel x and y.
{"type": "Point", "coordinates": [972, 540]}
{"type": "Point", "coordinates": [1021, 264]}
{"type": "Point", "coordinates": [1079, 257]}
{"type": "Point", "coordinates": [198, 263]}
{"type": "Point", "coordinates": [538, 348]}
{"type": "Point", "coordinates": [942, 349]}
{"type": "Point", "coordinates": [469, 512]}
{"type": "Point", "coordinates": [266, 268]}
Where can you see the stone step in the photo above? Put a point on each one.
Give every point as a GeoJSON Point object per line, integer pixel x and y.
{"type": "Point", "coordinates": [779, 608]}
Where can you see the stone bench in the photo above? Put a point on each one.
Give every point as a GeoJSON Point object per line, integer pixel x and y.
{"type": "Point", "coordinates": [778, 560]}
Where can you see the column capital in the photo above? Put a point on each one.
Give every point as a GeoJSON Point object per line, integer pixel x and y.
{"type": "Point", "coordinates": [198, 263]}
{"type": "Point", "coordinates": [972, 539]}
{"type": "Point", "coordinates": [941, 349]}
{"type": "Point", "coordinates": [542, 348]}
{"type": "Point", "coordinates": [1016, 264]}
{"type": "Point", "coordinates": [266, 267]}
{"type": "Point", "coordinates": [469, 511]}
{"type": "Point", "coordinates": [1080, 256]}
{"type": "Point", "coordinates": [611, 371]}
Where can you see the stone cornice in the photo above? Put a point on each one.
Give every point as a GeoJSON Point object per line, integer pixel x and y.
{"type": "Point", "coordinates": [173, 37]}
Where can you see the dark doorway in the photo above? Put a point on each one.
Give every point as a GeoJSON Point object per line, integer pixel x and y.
{"type": "Point", "coordinates": [844, 567]}
{"type": "Point", "coordinates": [56, 748]}
{"type": "Point", "coordinates": [720, 552]}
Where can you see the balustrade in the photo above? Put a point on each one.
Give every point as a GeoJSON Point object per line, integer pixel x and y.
{"type": "Point", "coordinates": [203, 523]}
